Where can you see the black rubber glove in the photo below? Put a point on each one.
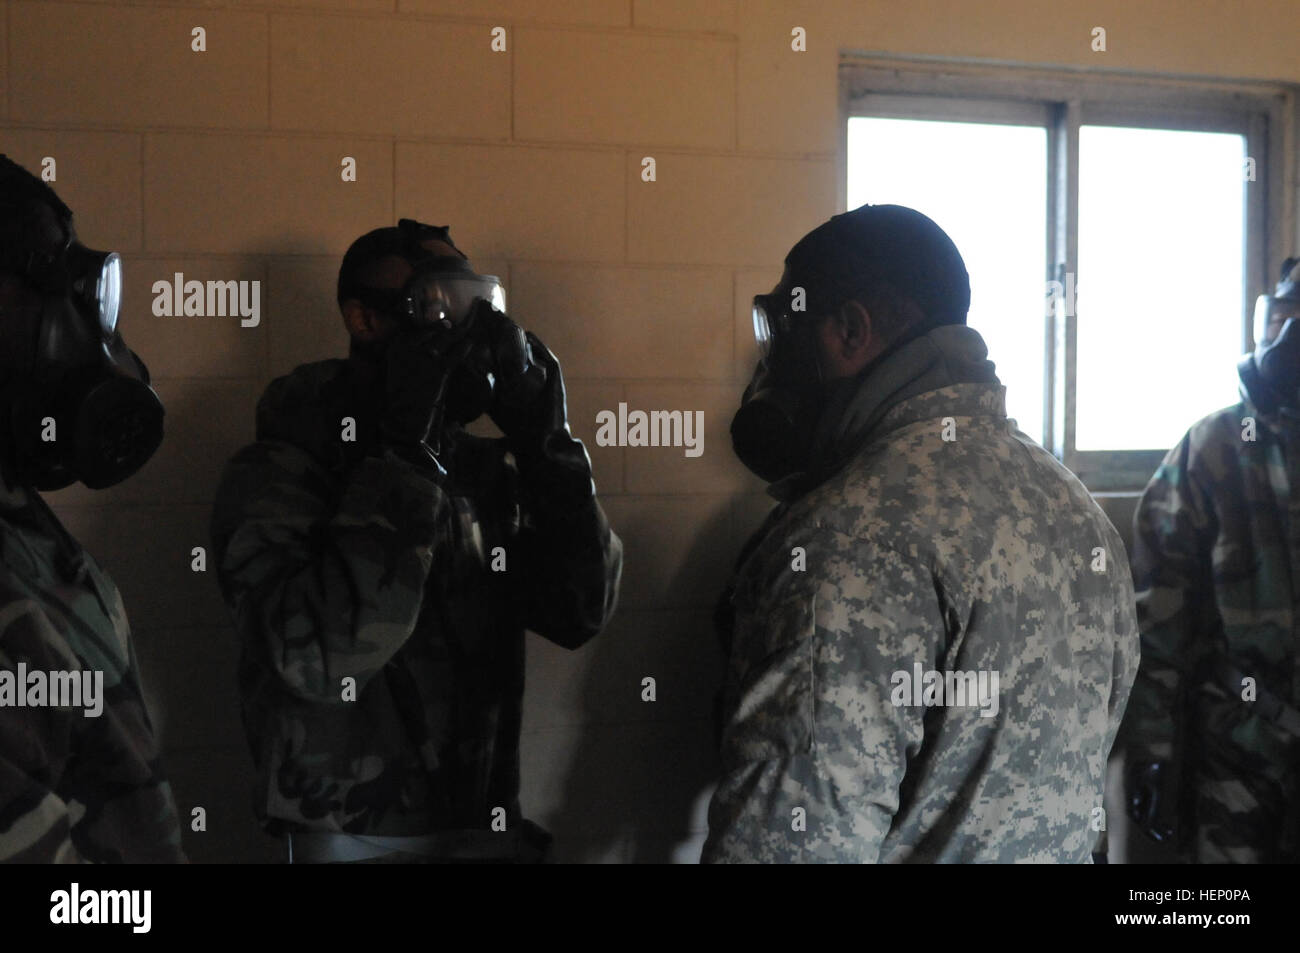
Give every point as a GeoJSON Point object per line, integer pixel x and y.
{"type": "Point", "coordinates": [499, 343]}
{"type": "Point", "coordinates": [415, 385]}
{"type": "Point", "coordinates": [535, 421]}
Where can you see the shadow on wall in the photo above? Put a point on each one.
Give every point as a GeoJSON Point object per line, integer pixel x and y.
{"type": "Point", "coordinates": [144, 532]}
{"type": "Point", "coordinates": [301, 326]}
{"type": "Point", "coordinates": [637, 786]}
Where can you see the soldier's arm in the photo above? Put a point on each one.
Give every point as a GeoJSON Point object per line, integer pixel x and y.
{"type": "Point", "coordinates": [36, 746]}
{"type": "Point", "coordinates": [572, 560]}
{"type": "Point", "coordinates": [327, 584]}
{"type": "Point", "coordinates": [1173, 530]}
{"type": "Point", "coordinates": [572, 563]}
{"type": "Point", "coordinates": [816, 751]}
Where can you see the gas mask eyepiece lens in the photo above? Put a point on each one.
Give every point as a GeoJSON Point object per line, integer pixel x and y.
{"type": "Point", "coordinates": [96, 279]}
{"type": "Point", "coordinates": [432, 298]}
{"type": "Point", "coordinates": [109, 292]}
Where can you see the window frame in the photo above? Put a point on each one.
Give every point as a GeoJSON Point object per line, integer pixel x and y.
{"type": "Point", "coordinates": [1067, 98]}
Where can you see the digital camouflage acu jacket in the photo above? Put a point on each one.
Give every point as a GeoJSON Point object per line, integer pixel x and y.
{"type": "Point", "coordinates": [949, 543]}
{"type": "Point", "coordinates": [348, 567]}
{"type": "Point", "coordinates": [73, 787]}
{"type": "Point", "coordinates": [1216, 541]}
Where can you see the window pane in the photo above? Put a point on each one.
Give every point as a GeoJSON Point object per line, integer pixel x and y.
{"type": "Point", "coordinates": [1161, 219]}
{"type": "Point", "coordinates": [986, 186]}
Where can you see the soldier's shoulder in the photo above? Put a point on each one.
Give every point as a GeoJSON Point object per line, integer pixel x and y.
{"type": "Point", "coordinates": [892, 476]}
{"type": "Point", "coordinates": [1226, 418]}
{"type": "Point", "coordinates": [863, 508]}
{"type": "Point", "coordinates": [1226, 423]}
{"type": "Point", "coordinates": [303, 386]}
{"type": "Point", "coordinates": [290, 408]}
{"type": "Point", "coordinates": [1210, 446]}
{"type": "Point", "coordinates": [291, 445]}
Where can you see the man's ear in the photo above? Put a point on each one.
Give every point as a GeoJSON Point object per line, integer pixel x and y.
{"type": "Point", "coordinates": [854, 332]}
{"type": "Point", "coordinates": [847, 341]}
{"type": "Point", "coordinates": [362, 323]}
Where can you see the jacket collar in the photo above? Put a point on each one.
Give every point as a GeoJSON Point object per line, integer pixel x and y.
{"type": "Point", "coordinates": [945, 372]}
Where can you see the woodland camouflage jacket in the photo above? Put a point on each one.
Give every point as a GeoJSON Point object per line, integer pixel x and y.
{"type": "Point", "coordinates": [1216, 542]}
{"type": "Point", "coordinates": [341, 562]}
{"type": "Point", "coordinates": [75, 785]}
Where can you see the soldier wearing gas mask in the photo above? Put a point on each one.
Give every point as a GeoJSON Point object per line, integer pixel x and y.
{"type": "Point", "coordinates": [1212, 738]}
{"type": "Point", "coordinates": [917, 629]}
{"type": "Point", "coordinates": [80, 774]}
{"type": "Point", "coordinates": [382, 565]}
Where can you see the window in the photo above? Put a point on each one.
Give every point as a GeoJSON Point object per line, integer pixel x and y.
{"type": "Point", "coordinates": [1115, 232]}
{"type": "Point", "coordinates": [1162, 268]}
{"type": "Point", "coordinates": [985, 184]}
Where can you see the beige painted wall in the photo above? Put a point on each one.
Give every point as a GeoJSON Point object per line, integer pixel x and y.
{"type": "Point", "coordinates": [225, 164]}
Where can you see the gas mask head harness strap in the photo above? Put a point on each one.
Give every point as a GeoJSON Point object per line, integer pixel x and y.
{"type": "Point", "coordinates": [1271, 373]}
{"type": "Point", "coordinates": [78, 401]}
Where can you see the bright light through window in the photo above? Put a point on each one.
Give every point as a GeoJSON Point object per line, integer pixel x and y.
{"type": "Point", "coordinates": [986, 186]}
{"type": "Point", "coordinates": [1161, 214]}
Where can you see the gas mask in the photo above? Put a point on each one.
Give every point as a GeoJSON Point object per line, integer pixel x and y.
{"type": "Point", "coordinates": [488, 353]}
{"type": "Point", "coordinates": [78, 400]}
{"type": "Point", "coordinates": [782, 426]}
{"type": "Point", "coordinates": [772, 432]}
{"type": "Point", "coordinates": [786, 422]}
{"type": "Point", "coordinates": [1272, 373]}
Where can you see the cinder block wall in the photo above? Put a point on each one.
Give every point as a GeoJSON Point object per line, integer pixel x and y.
{"type": "Point", "coordinates": [225, 164]}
